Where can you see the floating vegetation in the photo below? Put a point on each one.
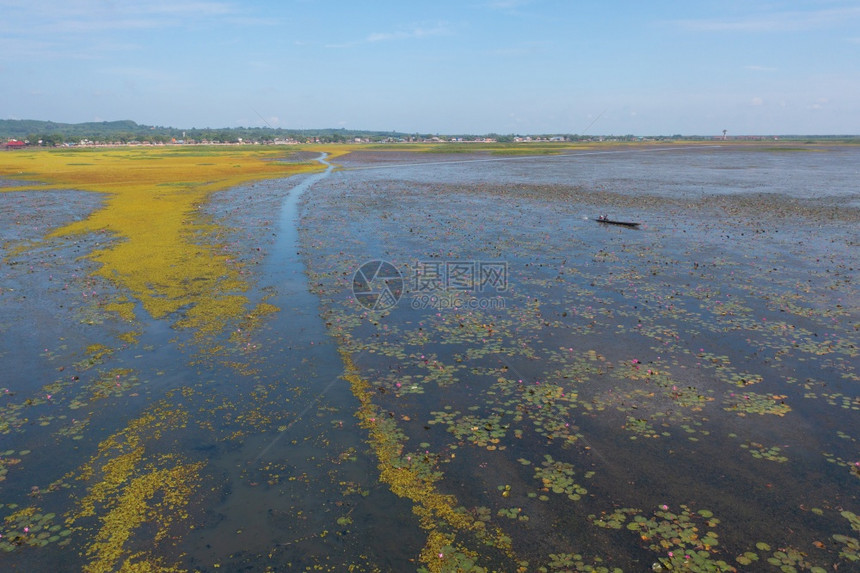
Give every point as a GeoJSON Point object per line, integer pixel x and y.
{"type": "Point", "coordinates": [438, 513]}
{"type": "Point", "coordinates": [850, 545]}
{"type": "Point", "coordinates": [28, 528]}
{"type": "Point", "coordinates": [748, 558]}
{"type": "Point", "coordinates": [640, 428]}
{"type": "Point", "coordinates": [6, 461]}
{"type": "Point", "coordinates": [851, 465]}
{"type": "Point", "coordinates": [574, 562]}
{"type": "Point", "coordinates": [762, 452]}
{"type": "Point", "coordinates": [687, 540]}
{"type": "Point", "coordinates": [482, 432]}
{"type": "Point", "coordinates": [588, 348]}
{"type": "Point", "coordinates": [791, 560]}
{"type": "Point", "coordinates": [513, 513]}
{"type": "Point", "coordinates": [751, 403]}
{"type": "Point", "coordinates": [180, 407]}
{"type": "Point", "coordinates": [187, 270]}
{"type": "Point", "coordinates": [133, 488]}
{"type": "Point", "coordinates": [557, 477]}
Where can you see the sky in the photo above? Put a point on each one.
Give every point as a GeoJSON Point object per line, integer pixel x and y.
{"type": "Point", "coordinates": [585, 67]}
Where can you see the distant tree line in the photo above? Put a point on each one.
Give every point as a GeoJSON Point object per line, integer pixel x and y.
{"type": "Point", "coordinates": [48, 133]}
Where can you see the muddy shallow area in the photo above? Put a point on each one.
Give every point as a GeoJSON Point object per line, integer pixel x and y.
{"type": "Point", "coordinates": [507, 385]}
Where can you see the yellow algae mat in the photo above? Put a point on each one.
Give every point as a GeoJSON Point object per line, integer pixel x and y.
{"type": "Point", "coordinates": [163, 254]}
{"type": "Point", "coordinates": [152, 195]}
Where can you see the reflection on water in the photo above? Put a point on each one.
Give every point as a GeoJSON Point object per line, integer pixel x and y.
{"type": "Point", "coordinates": [681, 396]}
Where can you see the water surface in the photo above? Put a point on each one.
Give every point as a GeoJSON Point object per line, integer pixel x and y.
{"type": "Point", "coordinates": [619, 389]}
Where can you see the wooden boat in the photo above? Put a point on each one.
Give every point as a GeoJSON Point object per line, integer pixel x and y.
{"type": "Point", "coordinates": [608, 221]}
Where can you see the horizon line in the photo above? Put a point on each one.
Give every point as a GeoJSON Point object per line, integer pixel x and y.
{"type": "Point", "coordinates": [437, 134]}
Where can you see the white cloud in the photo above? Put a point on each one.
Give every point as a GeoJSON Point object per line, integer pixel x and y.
{"type": "Point", "coordinates": [88, 16]}
{"type": "Point", "coordinates": [507, 4]}
{"type": "Point", "coordinates": [96, 29]}
{"type": "Point", "coordinates": [414, 33]}
{"type": "Point", "coordinates": [775, 21]}
{"type": "Point", "coordinates": [440, 29]}
{"type": "Point", "coordinates": [757, 101]}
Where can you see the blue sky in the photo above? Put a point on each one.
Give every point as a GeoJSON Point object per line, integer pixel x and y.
{"type": "Point", "coordinates": [441, 66]}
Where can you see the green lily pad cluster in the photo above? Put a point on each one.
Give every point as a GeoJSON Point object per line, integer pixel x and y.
{"type": "Point", "coordinates": [685, 540]}
{"type": "Point", "coordinates": [745, 379]}
{"type": "Point", "coordinates": [747, 558]}
{"type": "Point", "coordinates": [842, 401]}
{"type": "Point", "coordinates": [13, 416]}
{"type": "Point", "coordinates": [548, 406]}
{"type": "Point", "coordinates": [440, 374]}
{"type": "Point", "coordinates": [792, 560]}
{"type": "Point", "coordinates": [352, 488]}
{"type": "Point", "coordinates": [558, 477]}
{"type": "Point", "coordinates": [484, 432]}
{"type": "Point", "coordinates": [695, 427]}
{"type": "Point", "coordinates": [114, 382]}
{"type": "Point", "coordinates": [453, 560]}
{"type": "Point", "coordinates": [640, 427]}
{"type": "Point", "coordinates": [513, 513]}
{"type": "Point", "coordinates": [75, 428]}
{"type": "Point", "coordinates": [576, 366]}
{"type": "Point", "coordinates": [614, 520]}
{"type": "Point", "coordinates": [29, 528]}
{"type": "Point", "coordinates": [7, 460]}
{"type": "Point", "coordinates": [422, 463]}
{"type": "Point", "coordinates": [850, 546]}
{"type": "Point", "coordinates": [575, 563]}
{"type": "Point", "coordinates": [762, 452]}
{"type": "Point", "coordinates": [752, 403]}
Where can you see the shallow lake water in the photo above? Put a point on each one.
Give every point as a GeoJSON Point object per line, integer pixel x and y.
{"type": "Point", "coordinates": [530, 390]}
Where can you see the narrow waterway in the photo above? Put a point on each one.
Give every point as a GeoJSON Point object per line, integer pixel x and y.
{"type": "Point", "coordinates": [305, 490]}
{"type": "Point", "coordinates": [285, 265]}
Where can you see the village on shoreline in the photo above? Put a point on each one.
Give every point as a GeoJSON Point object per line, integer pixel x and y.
{"type": "Point", "coordinates": [19, 134]}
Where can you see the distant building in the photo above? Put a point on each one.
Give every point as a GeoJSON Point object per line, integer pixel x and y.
{"type": "Point", "coordinates": [15, 144]}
